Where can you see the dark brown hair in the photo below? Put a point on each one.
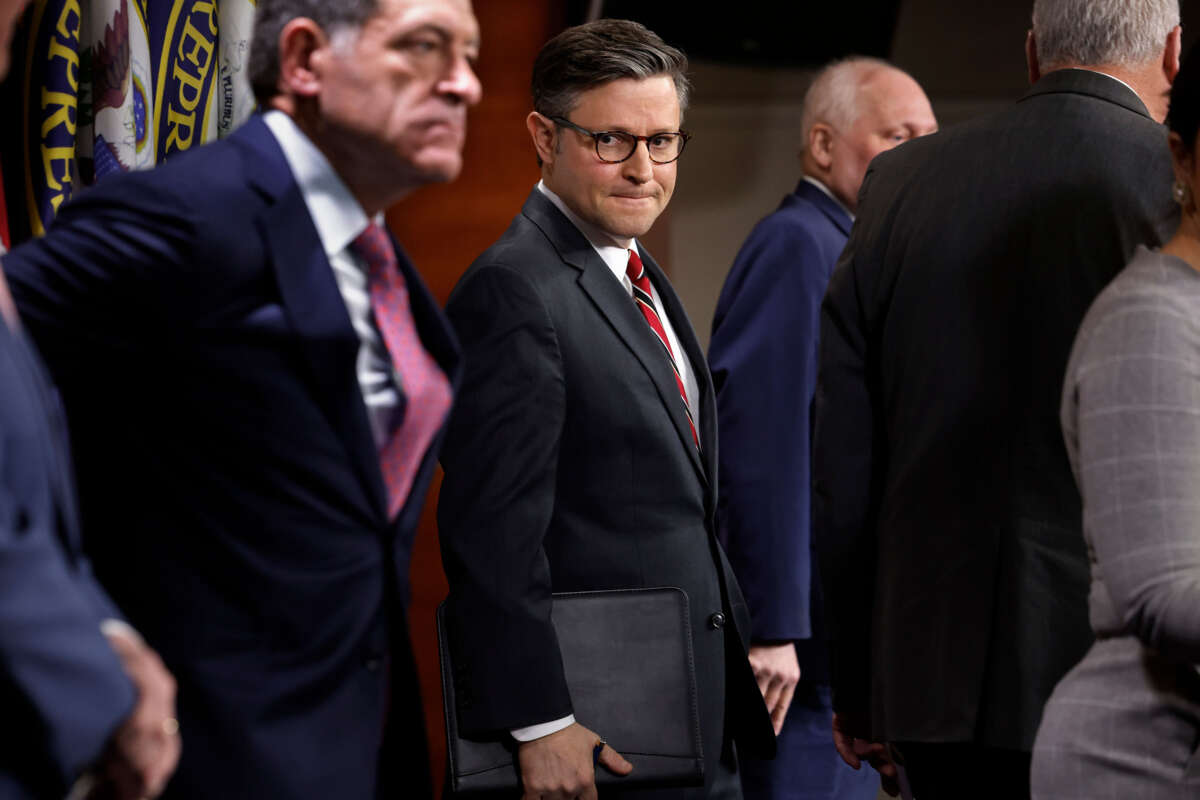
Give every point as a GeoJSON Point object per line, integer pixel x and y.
{"type": "Point", "coordinates": [596, 53]}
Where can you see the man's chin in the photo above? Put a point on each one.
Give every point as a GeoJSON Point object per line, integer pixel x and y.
{"type": "Point", "coordinates": [628, 227]}
{"type": "Point", "coordinates": [439, 166]}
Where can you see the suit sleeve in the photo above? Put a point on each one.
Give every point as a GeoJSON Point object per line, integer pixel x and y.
{"type": "Point", "coordinates": [500, 459]}
{"type": "Point", "coordinates": [848, 457]}
{"type": "Point", "coordinates": [100, 275]}
{"type": "Point", "coordinates": [63, 676]}
{"type": "Point", "coordinates": [764, 362]}
{"type": "Point", "coordinates": [1136, 431]}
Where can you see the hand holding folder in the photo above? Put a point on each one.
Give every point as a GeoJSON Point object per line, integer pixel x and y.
{"type": "Point", "coordinates": [627, 656]}
{"type": "Point", "coordinates": [564, 764]}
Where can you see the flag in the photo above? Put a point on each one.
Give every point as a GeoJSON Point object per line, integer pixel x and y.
{"type": "Point", "coordinates": [50, 115]}
{"type": "Point", "coordinates": [116, 110]}
{"type": "Point", "coordinates": [235, 98]}
{"type": "Point", "coordinates": [114, 85]}
{"type": "Point", "coordinates": [183, 46]}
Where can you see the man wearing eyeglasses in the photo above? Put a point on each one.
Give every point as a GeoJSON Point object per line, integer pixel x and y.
{"type": "Point", "coordinates": [582, 452]}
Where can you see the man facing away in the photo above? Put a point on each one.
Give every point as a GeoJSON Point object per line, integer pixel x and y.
{"type": "Point", "coordinates": [582, 453]}
{"type": "Point", "coordinates": [257, 380]}
{"type": "Point", "coordinates": [764, 364]}
{"type": "Point", "coordinates": [946, 515]}
{"type": "Point", "coordinates": [87, 705]}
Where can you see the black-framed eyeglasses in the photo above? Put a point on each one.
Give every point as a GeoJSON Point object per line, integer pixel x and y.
{"type": "Point", "coordinates": [613, 147]}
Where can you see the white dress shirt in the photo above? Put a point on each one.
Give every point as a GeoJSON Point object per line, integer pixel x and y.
{"type": "Point", "coordinates": [339, 219]}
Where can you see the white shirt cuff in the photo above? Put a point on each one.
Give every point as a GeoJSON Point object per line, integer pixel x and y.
{"type": "Point", "coordinates": [544, 729]}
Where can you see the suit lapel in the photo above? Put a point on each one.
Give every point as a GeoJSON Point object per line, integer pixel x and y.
{"type": "Point", "coordinates": [313, 303]}
{"type": "Point", "coordinates": [619, 310]}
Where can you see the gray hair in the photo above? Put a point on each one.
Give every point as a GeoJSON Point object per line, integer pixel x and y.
{"type": "Point", "coordinates": [832, 97]}
{"type": "Point", "coordinates": [270, 18]}
{"type": "Point", "coordinates": [596, 53]}
{"type": "Point", "coordinates": [1097, 32]}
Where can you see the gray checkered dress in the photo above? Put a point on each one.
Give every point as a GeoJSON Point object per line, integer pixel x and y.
{"type": "Point", "coordinates": [1125, 722]}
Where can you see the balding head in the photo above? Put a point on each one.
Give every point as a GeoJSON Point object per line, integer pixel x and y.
{"type": "Point", "coordinates": [853, 111]}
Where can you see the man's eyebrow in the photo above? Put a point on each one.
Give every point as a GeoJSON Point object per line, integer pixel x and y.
{"type": "Point", "coordinates": [436, 28]}
{"type": "Point", "coordinates": [442, 32]}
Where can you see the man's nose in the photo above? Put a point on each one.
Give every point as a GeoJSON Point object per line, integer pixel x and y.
{"type": "Point", "coordinates": [638, 167]}
{"type": "Point", "coordinates": [462, 82]}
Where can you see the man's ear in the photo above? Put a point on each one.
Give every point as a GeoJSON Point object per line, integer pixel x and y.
{"type": "Point", "coordinates": [302, 44]}
{"type": "Point", "coordinates": [820, 145]}
{"type": "Point", "coordinates": [544, 134]}
{"type": "Point", "coordinates": [1180, 156]}
{"type": "Point", "coordinates": [1031, 59]}
{"type": "Point", "coordinates": [1171, 53]}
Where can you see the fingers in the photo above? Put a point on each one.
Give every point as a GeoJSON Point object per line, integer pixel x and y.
{"type": "Point", "coordinates": [614, 762]}
{"type": "Point", "coordinates": [763, 679]}
{"type": "Point", "coordinates": [843, 742]}
{"type": "Point", "coordinates": [772, 694]}
{"type": "Point", "coordinates": [845, 747]}
{"type": "Point", "coordinates": [780, 709]}
{"type": "Point", "coordinates": [146, 748]}
{"type": "Point", "coordinates": [777, 671]}
{"type": "Point", "coordinates": [559, 766]}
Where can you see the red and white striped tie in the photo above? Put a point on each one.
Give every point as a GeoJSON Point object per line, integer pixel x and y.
{"type": "Point", "coordinates": [644, 299]}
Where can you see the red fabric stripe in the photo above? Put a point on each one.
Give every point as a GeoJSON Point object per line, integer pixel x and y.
{"type": "Point", "coordinates": [637, 275]}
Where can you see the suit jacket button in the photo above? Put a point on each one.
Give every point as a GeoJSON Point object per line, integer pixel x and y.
{"type": "Point", "coordinates": [716, 621]}
{"type": "Point", "coordinates": [373, 663]}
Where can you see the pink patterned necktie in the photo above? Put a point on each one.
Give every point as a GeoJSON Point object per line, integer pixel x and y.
{"type": "Point", "coordinates": [424, 384]}
{"type": "Point", "coordinates": [644, 300]}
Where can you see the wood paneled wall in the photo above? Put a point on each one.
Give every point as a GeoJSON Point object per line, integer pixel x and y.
{"type": "Point", "coordinates": [444, 228]}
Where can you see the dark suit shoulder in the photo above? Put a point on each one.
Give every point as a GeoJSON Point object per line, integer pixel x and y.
{"type": "Point", "coordinates": [797, 219]}
{"type": "Point", "coordinates": [524, 255]}
{"type": "Point", "coordinates": [795, 245]}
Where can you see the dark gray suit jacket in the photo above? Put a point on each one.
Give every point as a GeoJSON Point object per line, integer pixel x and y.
{"type": "Point", "coordinates": [570, 466]}
{"type": "Point", "coordinates": [938, 458]}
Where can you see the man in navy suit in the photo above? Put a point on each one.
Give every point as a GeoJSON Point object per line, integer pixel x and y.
{"type": "Point", "coordinates": [257, 380]}
{"type": "Point", "coordinates": [764, 365]}
{"type": "Point", "coordinates": [85, 701]}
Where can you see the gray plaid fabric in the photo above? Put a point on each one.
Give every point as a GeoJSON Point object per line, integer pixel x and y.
{"type": "Point", "coordinates": [1125, 723]}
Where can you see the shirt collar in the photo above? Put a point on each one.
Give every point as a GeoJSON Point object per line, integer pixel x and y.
{"type": "Point", "coordinates": [1105, 74]}
{"type": "Point", "coordinates": [830, 195]}
{"type": "Point", "coordinates": [335, 213]}
{"type": "Point", "coordinates": [614, 254]}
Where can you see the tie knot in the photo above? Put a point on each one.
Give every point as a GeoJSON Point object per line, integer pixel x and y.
{"type": "Point", "coordinates": [374, 247]}
{"type": "Point", "coordinates": [635, 269]}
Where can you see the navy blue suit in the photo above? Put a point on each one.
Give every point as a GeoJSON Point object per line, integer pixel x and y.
{"type": "Point", "coordinates": [62, 689]}
{"type": "Point", "coordinates": [230, 480]}
{"type": "Point", "coordinates": [763, 357]}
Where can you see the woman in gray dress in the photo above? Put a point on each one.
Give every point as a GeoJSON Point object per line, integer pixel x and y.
{"type": "Point", "coordinates": [1125, 722]}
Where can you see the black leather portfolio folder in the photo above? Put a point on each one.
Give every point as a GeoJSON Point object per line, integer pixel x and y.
{"type": "Point", "coordinates": [627, 655]}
